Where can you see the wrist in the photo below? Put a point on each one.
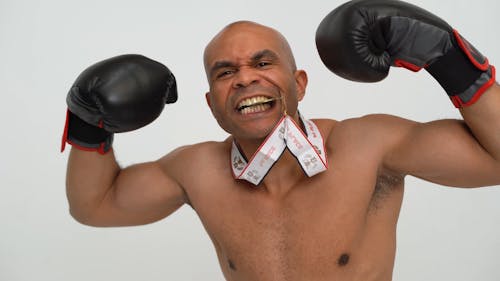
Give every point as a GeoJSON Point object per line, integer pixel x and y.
{"type": "Point", "coordinates": [85, 136]}
{"type": "Point", "coordinates": [463, 72]}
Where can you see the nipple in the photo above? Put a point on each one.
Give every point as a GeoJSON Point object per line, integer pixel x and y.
{"type": "Point", "coordinates": [343, 260]}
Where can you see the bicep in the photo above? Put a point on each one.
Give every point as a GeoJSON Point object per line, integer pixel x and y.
{"type": "Point", "coordinates": [141, 194]}
{"type": "Point", "coordinates": [443, 152]}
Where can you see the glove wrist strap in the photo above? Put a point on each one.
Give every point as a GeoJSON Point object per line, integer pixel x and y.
{"type": "Point", "coordinates": [85, 136]}
{"type": "Point", "coordinates": [463, 72]}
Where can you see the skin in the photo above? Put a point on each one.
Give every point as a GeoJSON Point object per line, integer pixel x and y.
{"type": "Point", "coordinates": [337, 225]}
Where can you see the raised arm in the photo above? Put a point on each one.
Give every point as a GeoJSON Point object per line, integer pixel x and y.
{"type": "Point", "coordinates": [483, 119]}
{"type": "Point", "coordinates": [117, 95]}
{"type": "Point", "coordinates": [102, 194]}
{"type": "Point", "coordinates": [453, 152]}
{"type": "Point", "coordinates": [361, 40]}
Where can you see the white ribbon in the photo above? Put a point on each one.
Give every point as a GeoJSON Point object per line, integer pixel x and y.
{"type": "Point", "coordinates": [308, 149]}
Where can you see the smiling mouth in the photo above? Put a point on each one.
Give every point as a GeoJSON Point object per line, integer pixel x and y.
{"type": "Point", "coordinates": [256, 104]}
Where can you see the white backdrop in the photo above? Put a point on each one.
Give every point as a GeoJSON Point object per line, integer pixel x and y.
{"type": "Point", "coordinates": [443, 233]}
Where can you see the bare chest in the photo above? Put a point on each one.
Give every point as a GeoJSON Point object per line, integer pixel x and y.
{"type": "Point", "coordinates": [320, 230]}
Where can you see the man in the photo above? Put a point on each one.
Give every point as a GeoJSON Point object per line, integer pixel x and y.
{"type": "Point", "coordinates": [282, 198]}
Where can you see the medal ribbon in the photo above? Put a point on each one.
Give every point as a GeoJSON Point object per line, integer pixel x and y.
{"type": "Point", "coordinates": [308, 149]}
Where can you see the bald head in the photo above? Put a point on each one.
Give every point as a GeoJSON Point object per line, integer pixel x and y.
{"type": "Point", "coordinates": [236, 37]}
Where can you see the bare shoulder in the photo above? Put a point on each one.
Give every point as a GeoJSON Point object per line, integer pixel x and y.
{"type": "Point", "coordinates": [191, 162]}
{"type": "Point", "coordinates": [192, 150]}
{"type": "Point", "coordinates": [375, 136]}
{"type": "Point", "coordinates": [193, 154]}
{"type": "Point", "coordinates": [372, 127]}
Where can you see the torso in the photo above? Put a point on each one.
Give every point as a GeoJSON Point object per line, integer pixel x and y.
{"type": "Point", "coordinates": [338, 225]}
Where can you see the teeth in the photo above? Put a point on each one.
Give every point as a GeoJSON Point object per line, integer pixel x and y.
{"type": "Point", "coordinates": [255, 108]}
{"type": "Point", "coordinates": [253, 101]}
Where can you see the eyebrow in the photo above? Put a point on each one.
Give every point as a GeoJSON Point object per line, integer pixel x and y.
{"type": "Point", "coordinates": [221, 64]}
{"type": "Point", "coordinates": [266, 53]}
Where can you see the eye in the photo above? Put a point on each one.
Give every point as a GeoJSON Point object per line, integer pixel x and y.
{"type": "Point", "coordinates": [263, 64]}
{"type": "Point", "coordinates": [225, 73]}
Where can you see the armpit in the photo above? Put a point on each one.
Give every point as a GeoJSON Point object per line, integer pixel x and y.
{"type": "Point", "coordinates": [385, 186]}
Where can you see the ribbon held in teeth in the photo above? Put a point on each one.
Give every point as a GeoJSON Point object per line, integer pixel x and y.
{"type": "Point", "coordinates": [308, 150]}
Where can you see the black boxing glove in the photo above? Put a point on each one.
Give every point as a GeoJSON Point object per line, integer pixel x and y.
{"type": "Point", "coordinates": [116, 95]}
{"type": "Point", "coordinates": [361, 39]}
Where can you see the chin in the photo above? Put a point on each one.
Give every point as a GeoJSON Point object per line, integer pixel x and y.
{"type": "Point", "coordinates": [255, 131]}
{"type": "Point", "coordinates": [253, 125]}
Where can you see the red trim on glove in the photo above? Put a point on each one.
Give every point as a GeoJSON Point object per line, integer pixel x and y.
{"type": "Point", "coordinates": [407, 65]}
{"type": "Point", "coordinates": [65, 140]}
{"type": "Point", "coordinates": [99, 150]}
{"type": "Point", "coordinates": [458, 103]}
{"type": "Point", "coordinates": [468, 50]}
{"type": "Point", "coordinates": [101, 146]}
{"type": "Point", "coordinates": [65, 132]}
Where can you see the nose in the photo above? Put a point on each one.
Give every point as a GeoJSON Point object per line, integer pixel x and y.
{"type": "Point", "coordinates": [245, 77]}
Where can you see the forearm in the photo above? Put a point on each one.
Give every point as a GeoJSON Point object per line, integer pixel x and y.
{"type": "Point", "coordinates": [483, 119]}
{"type": "Point", "coordinates": [89, 179]}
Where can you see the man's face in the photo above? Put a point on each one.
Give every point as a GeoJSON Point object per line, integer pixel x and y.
{"type": "Point", "coordinates": [252, 80]}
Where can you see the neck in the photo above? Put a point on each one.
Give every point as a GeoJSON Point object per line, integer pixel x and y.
{"type": "Point", "coordinates": [285, 137]}
{"type": "Point", "coordinates": [249, 146]}
{"type": "Point", "coordinates": [284, 175]}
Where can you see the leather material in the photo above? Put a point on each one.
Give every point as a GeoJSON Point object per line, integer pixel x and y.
{"type": "Point", "coordinates": [361, 39]}
{"type": "Point", "coordinates": [123, 93]}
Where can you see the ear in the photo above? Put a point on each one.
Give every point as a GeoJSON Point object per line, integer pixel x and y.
{"type": "Point", "coordinates": [300, 83]}
{"type": "Point", "coordinates": [207, 97]}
